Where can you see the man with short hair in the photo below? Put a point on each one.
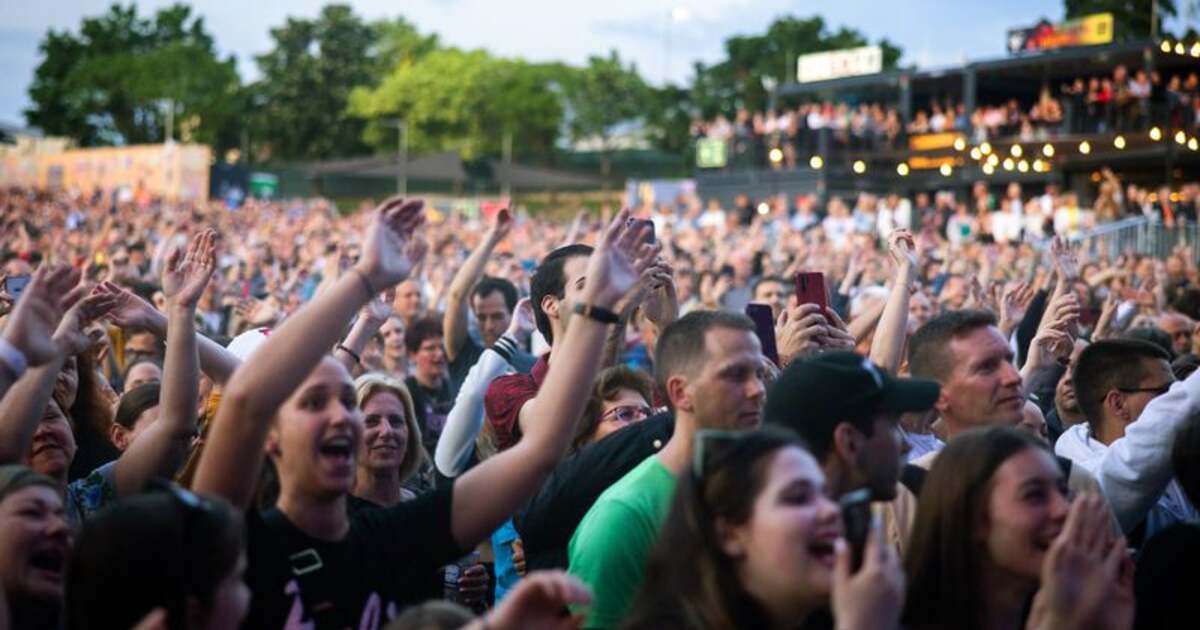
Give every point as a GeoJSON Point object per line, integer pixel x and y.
{"type": "Point", "coordinates": [710, 366]}
{"type": "Point", "coordinates": [965, 353]}
{"type": "Point", "coordinates": [1181, 328]}
{"type": "Point", "coordinates": [772, 291]}
{"type": "Point", "coordinates": [492, 300]}
{"type": "Point", "coordinates": [554, 288]}
{"type": "Point", "coordinates": [1122, 384]}
{"type": "Point", "coordinates": [848, 410]}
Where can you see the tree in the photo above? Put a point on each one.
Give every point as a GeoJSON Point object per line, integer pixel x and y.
{"type": "Point", "coordinates": [462, 100]}
{"type": "Point", "coordinates": [1131, 18]}
{"type": "Point", "coordinates": [300, 102]}
{"type": "Point", "coordinates": [105, 85]}
{"type": "Point", "coordinates": [601, 96]}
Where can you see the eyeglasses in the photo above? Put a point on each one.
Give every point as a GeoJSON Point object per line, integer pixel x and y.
{"type": "Point", "coordinates": [627, 413]}
{"type": "Point", "coordinates": [1157, 391]}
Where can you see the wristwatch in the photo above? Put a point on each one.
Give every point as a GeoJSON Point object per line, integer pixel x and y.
{"type": "Point", "coordinates": [597, 313]}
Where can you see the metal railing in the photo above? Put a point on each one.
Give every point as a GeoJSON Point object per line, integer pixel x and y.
{"type": "Point", "coordinates": [1137, 235]}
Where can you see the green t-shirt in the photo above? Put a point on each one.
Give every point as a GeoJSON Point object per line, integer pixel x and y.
{"type": "Point", "coordinates": [611, 545]}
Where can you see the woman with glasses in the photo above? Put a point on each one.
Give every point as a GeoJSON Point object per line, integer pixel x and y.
{"type": "Point", "coordinates": [620, 397]}
{"type": "Point", "coordinates": [997, 545]}
{"type": "Point", "coordinates": [312, 563]}
{"type": "Point", "coordinates": [753, 542]}
{"type": "Point", "coordinates": [168, 550]}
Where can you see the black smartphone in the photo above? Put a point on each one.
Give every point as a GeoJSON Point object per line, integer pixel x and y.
{"type": "Point", "coordinates": [636, 224]}
{"type": "Point", "coordinates": [856, 523]}
{"type": "Point", "coordinates": [15, 286]}
{"type": "Point", "coordinates": [764, 327]}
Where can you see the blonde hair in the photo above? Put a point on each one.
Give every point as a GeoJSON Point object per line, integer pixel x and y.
{"type": "Point", "coordinates": [372, 383]}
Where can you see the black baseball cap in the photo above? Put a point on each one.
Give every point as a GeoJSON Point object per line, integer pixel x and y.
{"type": "Point", "coordinates": [818, 393]}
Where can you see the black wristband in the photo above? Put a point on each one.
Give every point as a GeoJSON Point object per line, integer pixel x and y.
{"type": "Point", "coordinates": [598, 313]}
{"type": "Point", "coordinates": [350, 352]}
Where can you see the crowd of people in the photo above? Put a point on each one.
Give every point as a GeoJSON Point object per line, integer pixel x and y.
{"type": "Point", "coordinates": [283, 416]}
{"type": "Point", "coordinates": [1123, 101]}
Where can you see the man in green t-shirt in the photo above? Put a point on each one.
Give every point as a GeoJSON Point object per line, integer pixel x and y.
{"type": "Point", "coordinates": [716, 384]}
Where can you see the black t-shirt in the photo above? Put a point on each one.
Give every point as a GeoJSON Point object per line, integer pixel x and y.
{"type": "Point", "coordinates": [1166, 578]}
{"type": "Point", "coordinates": [382, 566]}
{"type": "Point", "coordinates": [432, 406]}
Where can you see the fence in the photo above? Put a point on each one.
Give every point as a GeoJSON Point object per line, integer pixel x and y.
{"type": "Point", "coordinates": [1138, 235]}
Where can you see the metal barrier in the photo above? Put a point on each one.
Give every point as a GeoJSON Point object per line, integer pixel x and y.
{"type": "Point", "coordinates": [1137, 235]}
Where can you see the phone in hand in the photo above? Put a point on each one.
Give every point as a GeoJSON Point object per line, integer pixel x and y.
{"type": "Point", "coordinates": [636, 224]}
{"type": "Point", "coordinates": [856, 523]}
{"type": "Point", "coordinates": [810, 289]}
{"type": "Point", "coordinates": [15, 286]}
{"type": "Point", "coordinates": [764, 328]}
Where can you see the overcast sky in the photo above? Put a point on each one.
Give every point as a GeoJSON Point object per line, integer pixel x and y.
{"type": "Point", "coordinates": [932, 32]}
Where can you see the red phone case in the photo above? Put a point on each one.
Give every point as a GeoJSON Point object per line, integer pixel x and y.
{"type": "Point", "coordinates": [810, 289]}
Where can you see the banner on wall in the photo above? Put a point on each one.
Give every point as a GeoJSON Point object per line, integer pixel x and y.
{"type": "Point", "coordinates": [836, 64]}
{"type": "Point", "coordinates": [1089, 30]}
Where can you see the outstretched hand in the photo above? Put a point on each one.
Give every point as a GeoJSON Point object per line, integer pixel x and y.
{"type": "Point", "coordinates": [72, 336]}
{"type": "Point", "coordinates": [392, 249]}
{"type": "Point", "coordinates": [618, 261]}
{"type": "Point", "coordinates": [30, 327]}
{"type": "Point", "coordinates": [185, 276]}
{"type": "Point", "coordinates": [129, 309]}
{"type": "Point", "coordinates": [522, 324]}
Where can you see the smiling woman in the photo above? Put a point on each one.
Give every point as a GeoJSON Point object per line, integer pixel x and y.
{"type": "Point", "coordinates": [390, 450]}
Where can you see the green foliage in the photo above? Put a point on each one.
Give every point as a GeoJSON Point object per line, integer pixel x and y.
{"type": "Point", "coordinates": [603, 94]}
{"type": "Point", "coordinates": [462, 100]}
{"type": "Point", "coordinates": [103, 85]}
{"type": "Point", "coordinates": [300, 101]}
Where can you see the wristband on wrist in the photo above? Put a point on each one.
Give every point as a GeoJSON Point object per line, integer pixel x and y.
{"type": "Point", "coordinates": [13, 359]}
{"type": "Point", "coordinates": [353, 354]}
{"type": "Point", "coordinates": [597, 313]}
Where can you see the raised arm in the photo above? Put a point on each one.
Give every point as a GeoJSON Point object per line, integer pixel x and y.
{"type": "Point", "coordinates": [454, 322]}
{"type": "Point", "coordinates": [131, 311]}
{"type": "Point", "coordinates": [233, 456]}
{"type": "Point", "coordinates": [27, 336]}
{"type": "Point", "coordinates": [370, 319]}
{"type": "Point", "coordinates": [491, 492]}
{"type": "Point", "coordinates": [465, 420]}
{"type": "Point", "coordinates": [160, 450]}
{"type": "Point", "coordinates": [29, 330]}
{"type": "Point", "coordinates": [887, 348]}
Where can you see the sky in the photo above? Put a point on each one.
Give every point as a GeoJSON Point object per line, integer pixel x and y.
{"type": "Point", "coordinates": [663, 37]}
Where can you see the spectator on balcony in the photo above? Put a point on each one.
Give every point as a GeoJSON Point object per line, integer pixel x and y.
{"type": "Point", "coordinates": [1140, 89]}
{"type": "Point", "coordinates": [919, 124]}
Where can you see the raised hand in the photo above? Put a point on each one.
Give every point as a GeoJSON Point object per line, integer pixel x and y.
{"type": "Point", "coordinates": [185, 276]}
{"type": "Point", "coordinates": [902, 247]}
{"type": "Point", "coordinates": [1066, 264]}
{"type": "Point", "coordinates": [618, 261]}
{"type": "Point", "coordinates": [30, 327]}
{"type": "Point", "coordinates": [501, 225]}
{"type": "Point", "coordinates": [661, 303]}
{"type": "Point", "coordinates": [799, 332]}
{"type": "Point", "coordinates": [1079, 573]}
{"type": "Point", "coordinates": [377, 310]}
{"type": "Point", "coordinates": [129, 309]}
{"type": "Point", "coordinates": [391, 249]}
{"type": "Point", "coordinates": [537, 602]}
{"type": "Point", "coordinates": [1014, 302]}
{"type": "Point", "coordinates": [522, 324]}
{"type": "Point", "coordinates": [837, 334]}
{"type": "Point", "coordinates": [72, 335]}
